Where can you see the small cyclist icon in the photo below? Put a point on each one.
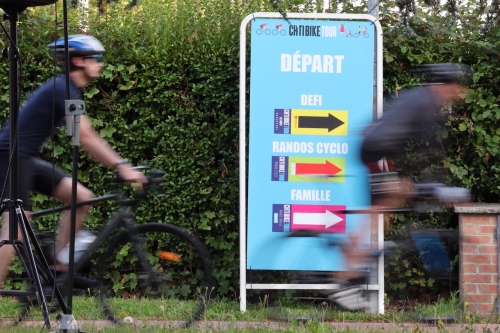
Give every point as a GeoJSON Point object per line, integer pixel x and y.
{"type": "Point", "coordinates": [279, 29]}
{"type": "Point", "coordinates": [263, 28]}
{"type": "Point", "coordinates": [363, 33]}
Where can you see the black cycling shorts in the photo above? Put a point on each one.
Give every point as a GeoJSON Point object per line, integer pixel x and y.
{"type": "Point", "coordinates": [34, 174]}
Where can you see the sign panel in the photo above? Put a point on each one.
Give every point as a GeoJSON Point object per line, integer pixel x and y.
{"type": "Point", "coordinates": [311, 86]}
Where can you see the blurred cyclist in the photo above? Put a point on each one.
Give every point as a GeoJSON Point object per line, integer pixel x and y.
{"type": "Point", "coordinates": [42, 114]}
{"type": "Point", "coordinates": [409, 116]}
{"type": "Point", "coordinates": [414, 112]}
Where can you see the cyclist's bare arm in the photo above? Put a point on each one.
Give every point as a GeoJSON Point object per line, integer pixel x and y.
{"type": "Point", "coordinates": [100, 150]}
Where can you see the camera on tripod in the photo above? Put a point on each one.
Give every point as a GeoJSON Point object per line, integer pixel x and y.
{"type": "Point", "coordinates": [27, 3]}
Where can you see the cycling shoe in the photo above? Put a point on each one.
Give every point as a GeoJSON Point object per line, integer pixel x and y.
{"type": "Point", "coordinates": [351, 296]}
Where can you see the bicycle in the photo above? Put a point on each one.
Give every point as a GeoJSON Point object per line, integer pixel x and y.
{"type": "Point", "coordinates": [430, 246]}
{"type": "Point", "coordinates": [166, 260]}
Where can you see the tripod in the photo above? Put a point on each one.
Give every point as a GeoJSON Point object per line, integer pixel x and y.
{"type": "Point", "coordinates": [23, 248]}
{"type": "Point", "coordinates": [17, 216]}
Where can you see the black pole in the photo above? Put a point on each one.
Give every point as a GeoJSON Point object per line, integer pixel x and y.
{"type": "Point", "coordinates": [13, 8]}
{"type": "Point", "coordinates": [13, 13]}
{"type": "Point", "coordinates": [74, 176]}
{"type": "Point", "coordinates": [71, 266]}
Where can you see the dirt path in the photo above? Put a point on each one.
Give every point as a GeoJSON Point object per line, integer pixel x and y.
{"type": "Point", "coordinates": [224, 325]}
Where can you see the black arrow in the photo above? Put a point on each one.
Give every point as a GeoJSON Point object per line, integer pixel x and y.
{"type": "Point", "coordinates": [329, 122]}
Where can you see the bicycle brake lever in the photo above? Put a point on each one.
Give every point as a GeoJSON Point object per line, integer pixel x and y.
{"type": "Point", "coordinates": [140, 167]}
{"type": "Point", "coordinates": [156, 177]}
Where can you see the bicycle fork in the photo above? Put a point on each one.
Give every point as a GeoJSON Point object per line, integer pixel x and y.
{"type": "Point", "coordinates": [137, 241]}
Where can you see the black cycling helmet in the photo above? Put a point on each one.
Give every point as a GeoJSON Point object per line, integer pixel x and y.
{"type": "Point", "coordinates": [78, 46]}
{"type": "Point", "coordinates": [445, 73]}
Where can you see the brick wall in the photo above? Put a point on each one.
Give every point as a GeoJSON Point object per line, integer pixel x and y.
{"type": "Point", "coordinates": [478, 256]}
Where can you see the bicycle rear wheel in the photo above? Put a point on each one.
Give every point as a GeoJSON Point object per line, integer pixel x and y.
{"type": "Point", "coordinates": [422, 255]}
{"type": "Point", "coordinates": [179, 261]}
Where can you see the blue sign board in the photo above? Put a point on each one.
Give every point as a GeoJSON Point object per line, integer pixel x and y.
{"type": "Point", "coordinates": [311, 94]}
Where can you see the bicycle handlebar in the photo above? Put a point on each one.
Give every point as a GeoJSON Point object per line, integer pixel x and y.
{"type": "Point", "coordinates": [153, 177]}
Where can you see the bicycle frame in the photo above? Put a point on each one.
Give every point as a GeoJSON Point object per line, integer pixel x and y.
{"type": "Point", "coordinates": [36, 265]}
{"type": "Point", "coordinates": [121, 218]}
{"type": "Point", "coordinates": [30, 245]}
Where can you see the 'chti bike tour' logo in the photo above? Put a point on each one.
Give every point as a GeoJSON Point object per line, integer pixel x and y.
{"type": "Point", "coordinates": [265, 29]}
{"type": "Point", "coordinates": [299, 30]}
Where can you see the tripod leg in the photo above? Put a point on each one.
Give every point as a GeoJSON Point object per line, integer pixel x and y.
{"type": "Point", "coordinates": [50, 279]}
{"type": "Point", "coordinates": [23, 222]}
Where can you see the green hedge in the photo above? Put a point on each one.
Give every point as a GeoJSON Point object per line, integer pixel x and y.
{"type": "Point", "coordinates": [169, 97]}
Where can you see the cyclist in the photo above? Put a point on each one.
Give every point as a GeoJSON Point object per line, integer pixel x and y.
{"type": "Point", "coordinates": [42, 114]}
{"type": "Point", "coordinates": [413, 113]}
{"type": "Point", "coordinates": [409, 116]}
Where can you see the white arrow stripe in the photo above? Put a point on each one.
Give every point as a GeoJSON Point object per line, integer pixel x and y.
{"type": "Point", "coordinates": [327, 219]}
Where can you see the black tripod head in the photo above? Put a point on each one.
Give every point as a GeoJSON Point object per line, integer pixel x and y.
{"type": "Point", "coordinates": [21, 5]}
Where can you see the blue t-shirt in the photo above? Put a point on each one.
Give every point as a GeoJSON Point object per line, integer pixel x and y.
{"type": "Point", "coordinates": [44, 105]}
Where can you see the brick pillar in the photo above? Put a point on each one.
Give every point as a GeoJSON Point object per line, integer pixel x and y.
{"type": "Point", "coordinates": [478, 276]}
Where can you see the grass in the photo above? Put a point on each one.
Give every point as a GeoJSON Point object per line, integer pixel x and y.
{"type": "Point", "coordinates": [284, 315]}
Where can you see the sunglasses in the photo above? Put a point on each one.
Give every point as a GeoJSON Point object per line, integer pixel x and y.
{"type": "Point", "coordinates": [98, 57]}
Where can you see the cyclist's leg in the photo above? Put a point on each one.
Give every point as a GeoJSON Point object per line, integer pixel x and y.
{"type": "Point", "coordinates": [63, 194]}
{"type": "Point", "coordinates": [25, 185]}
{"type": "Point", "coordinates": [387, 191]}
{"type": "Point", "coordinates": [52, 181]}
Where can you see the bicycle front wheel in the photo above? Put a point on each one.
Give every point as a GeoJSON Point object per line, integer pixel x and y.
{"type": "Point", "coordinates": [176, 281]}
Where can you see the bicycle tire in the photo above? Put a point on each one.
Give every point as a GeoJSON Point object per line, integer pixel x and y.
{"type": "Point", "coordinates": [185, 271]}
{"type": "Point", "coordinates": [408, 258]}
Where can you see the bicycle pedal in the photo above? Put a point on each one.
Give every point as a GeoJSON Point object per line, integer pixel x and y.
{"type": "Point", "coordinates": [79, 282]}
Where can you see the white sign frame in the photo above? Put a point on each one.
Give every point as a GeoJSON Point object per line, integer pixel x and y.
{"type": "Point", "coordinates": [378, 83]}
